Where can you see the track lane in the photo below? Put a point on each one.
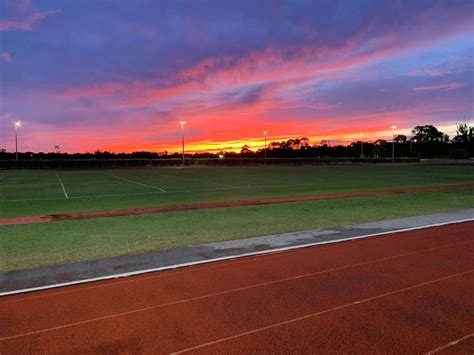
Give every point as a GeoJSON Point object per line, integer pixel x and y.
{"type": "Point", "coordinates": [274, 301]}
{"type": "Point", "coordinates": [34, 315]}
{"type": "Point", "coordinates": [411, 321]}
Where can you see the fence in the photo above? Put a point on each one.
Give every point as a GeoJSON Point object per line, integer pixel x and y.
{"type": "Point", "coordinates": [142, 163]}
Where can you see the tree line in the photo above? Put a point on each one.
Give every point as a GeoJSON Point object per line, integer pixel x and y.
{"type": "Point", "coordinates": [425, 142]}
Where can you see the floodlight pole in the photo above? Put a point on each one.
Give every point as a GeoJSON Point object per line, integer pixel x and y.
{"type": "Point", "coordinates": [17, 124]}
{"type": "Point", "coordinates": [265, 146]}
{"type": "Point", "coordinates": [182, 123]}
{"type": "Point", "coordinates": [393, 143]}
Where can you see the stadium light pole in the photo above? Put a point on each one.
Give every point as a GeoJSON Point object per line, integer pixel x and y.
{"type": "Point", "coordinates": [393, 143]}
{"type": "Point", "coordinates": [17, 125]}
{"type": "Point", "coordinates": [265, 146]}
{"type": "Point", "coordinates": [182, 123]}
{"type": "Point", "coordinates": [362, 145]}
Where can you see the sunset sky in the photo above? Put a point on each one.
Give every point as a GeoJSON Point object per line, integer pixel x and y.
{"type": "Point", "coordinates": [119, 75]}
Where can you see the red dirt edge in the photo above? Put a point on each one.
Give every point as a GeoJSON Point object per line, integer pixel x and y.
{"type": "Point", "coordinates": [220, 204]}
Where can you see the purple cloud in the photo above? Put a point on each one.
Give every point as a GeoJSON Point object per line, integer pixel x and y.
{"type": "Point", "coordinates": [22, 16]}
{"type": "Point", "coordinates": [450, 86]}
{"type": "Point", "coordinates": [6, 57]}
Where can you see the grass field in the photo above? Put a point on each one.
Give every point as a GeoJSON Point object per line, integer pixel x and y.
{"type": "Point", "coordinates": [25, 193]}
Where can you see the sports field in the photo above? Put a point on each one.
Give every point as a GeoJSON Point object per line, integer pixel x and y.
{"type": "Point", "coordinates": [44, 192]}
{"type": "Point", "coordinates": [29, 192]}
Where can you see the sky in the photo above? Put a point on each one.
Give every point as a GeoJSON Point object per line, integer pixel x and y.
{"type": "Point", "coordinates": [119, 75]}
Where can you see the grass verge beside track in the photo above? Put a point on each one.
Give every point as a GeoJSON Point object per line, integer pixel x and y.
{"type": "Point", "coordinates": [28, 246]}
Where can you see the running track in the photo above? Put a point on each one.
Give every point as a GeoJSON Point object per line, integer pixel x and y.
{"type": "Point", "coordinates": [408, 292]}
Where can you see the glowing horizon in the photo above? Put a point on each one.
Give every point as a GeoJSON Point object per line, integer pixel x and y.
{"type": "Point", "coordinates": [230, 71]}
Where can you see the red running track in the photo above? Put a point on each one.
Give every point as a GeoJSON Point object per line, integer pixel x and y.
{"type": "Point", "coordinates": [407, 292]}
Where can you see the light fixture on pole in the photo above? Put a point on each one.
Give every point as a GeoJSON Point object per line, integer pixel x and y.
{"type": "Point", "coordinates": [393, 143]}
{"type": "Point", "coordinates": [362, 145]}
{"type": "Point", "coordinates": [17, 125]}
{"type": "Point", "coordinates": [265, 146]}
{"type": "Point", "coordinates": [182, 123]}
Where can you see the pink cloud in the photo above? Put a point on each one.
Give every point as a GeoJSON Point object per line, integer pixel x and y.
{"type": "Point", "coordinates": [6, 57]}
{"type": "Point", "coordinates": [445, 87]}
{"type": "Point", "coordinates": [309, 64]}
{"type": "Point", "coordinates": [23, 16]}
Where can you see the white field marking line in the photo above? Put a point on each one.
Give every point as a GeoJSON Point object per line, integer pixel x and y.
{"type": "Point", "coordinates": [283, 185]}
{"type": "Point", "coordinates": [154, 193]}
{"type": "Point", "coordinates": [199, 180]}
{"type": "Point", "coordinates": [231, 257]}
{"type": "Point", "coordinates": [69, 325]}
{"type": "Point", "coordinates": [347, 305]}
{"type": "Point", "coordinates": [454, 342]}
{"type": "Point", "coordinates": [134, 311]}
{"type": "Point", "coordinates": [137, 183]}
{"type": "Point", "coordinates": [232, 263]}
{"type": "Point", "coordinates": [62, 185]}
{"type": "Point", "coordinates": [121, 195]}
{"type": "Point", "coordinates": [168, 192]}
{"type": "Point", "coordinates": [33, 199]}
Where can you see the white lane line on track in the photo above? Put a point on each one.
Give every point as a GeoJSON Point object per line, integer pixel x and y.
{"type": "Point", "coordinates": [231, 263]}
{"type": "Point", "coordinates": [454, 342]}
{"type": "Point", "coordinates": [69, 325]}
{"type": "Point", "coordinates": [62, 185]}
{"type": "Point", "coordinates": [176, 266]}
{"type": "Point", "coordinates": [138, 183]}
{"type": "Point", "coordinates": [347, 305]}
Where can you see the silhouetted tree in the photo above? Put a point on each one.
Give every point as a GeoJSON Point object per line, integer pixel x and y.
{"type": "Point", "coordinates": [401, 138]}
{"type": "Point", "coordinates": [428, 134]}
{"type": "Point", "coordinates": [305, 142]}
{"type": "Point", "coordinates": [464, 134]}
{"type": "Point", "coordinates": [245, 150]}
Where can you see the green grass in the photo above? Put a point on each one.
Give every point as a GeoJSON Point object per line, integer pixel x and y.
{"type": "Point", "coordinates": [25, 193]}
{"type": "Point", "coordinates": [28, 246]}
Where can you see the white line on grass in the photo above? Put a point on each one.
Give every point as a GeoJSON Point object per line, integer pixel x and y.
{"type": "Point", "coordinates": [122, 195]}
{"type": "Point", "coordinates": [230, 257]}
{"type": "Point", "coordinates": [138, 183]}
{"type": "Point", "coordinates": [62, 185]}
{"type": "Point", "coordinates": [198, 180]}
{"type": "Point", "coordinates": [153, 193]}
{"type": "Point", "coordinates": [34, 199]}
{"type": "Point", "coordinates": [176, 191]}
